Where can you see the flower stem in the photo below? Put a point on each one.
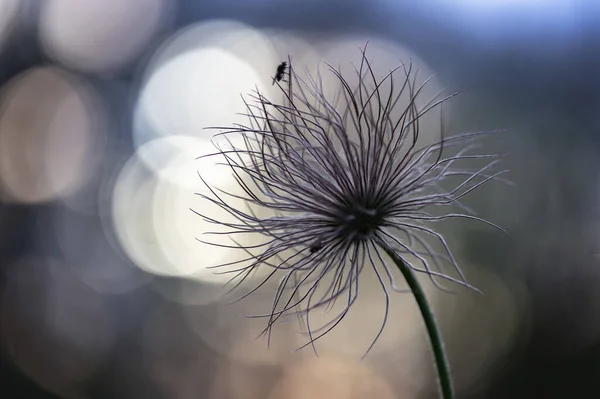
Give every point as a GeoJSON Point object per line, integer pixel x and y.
{"type": "Point", "coordinates": [441, 361]}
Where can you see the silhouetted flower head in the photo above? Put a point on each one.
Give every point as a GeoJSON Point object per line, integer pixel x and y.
{"type": "Point", "coordinates": [340, 176]}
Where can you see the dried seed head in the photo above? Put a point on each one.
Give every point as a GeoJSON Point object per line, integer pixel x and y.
{"type": "Point", "coordinates": [340, 175]}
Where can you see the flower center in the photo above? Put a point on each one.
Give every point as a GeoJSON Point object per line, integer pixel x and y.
{"type": "Point", "coordinates": [361, 221]}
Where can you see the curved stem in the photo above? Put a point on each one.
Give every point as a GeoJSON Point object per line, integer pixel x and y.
{"type": "Point", "coordinates": [441, 361]}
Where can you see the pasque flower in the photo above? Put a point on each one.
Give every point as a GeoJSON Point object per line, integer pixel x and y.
{"type": "Point", "coordinates": [347, 185]}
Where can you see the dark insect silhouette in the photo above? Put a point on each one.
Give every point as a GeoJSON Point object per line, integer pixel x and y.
{"type": "Point", "coordinates": [280, 72]}
{"type": "Point", "coordinates": [315, 246]}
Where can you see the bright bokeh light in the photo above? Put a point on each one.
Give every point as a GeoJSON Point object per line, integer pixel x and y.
{"type": "Point", "coordinates": [132, 217]}
{"type": "Point", "coordinates": [197, 78]}
{"type": "Point", "coordinates": [100, 36]}
{"type": "Point", "coordinates": [152, 211]}
{"type": "Point", "coordinates": [51, 135]}
{"type": "Point", "coordinates": [177, 227]}
{"type": "Point", "coordinates": [195, 90]}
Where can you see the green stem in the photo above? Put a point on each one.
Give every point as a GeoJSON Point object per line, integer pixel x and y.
{"type": "Point", "coordinates": [441, 361]}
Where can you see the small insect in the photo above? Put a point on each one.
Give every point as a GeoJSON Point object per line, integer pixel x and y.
{"type": "Point", "coordinates": [315, 246]}
{"type": "Point", "coordinates": [280, 72]}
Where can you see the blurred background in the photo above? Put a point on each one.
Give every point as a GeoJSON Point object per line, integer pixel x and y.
{"type": "Point", "coordinates": [104, 290]}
